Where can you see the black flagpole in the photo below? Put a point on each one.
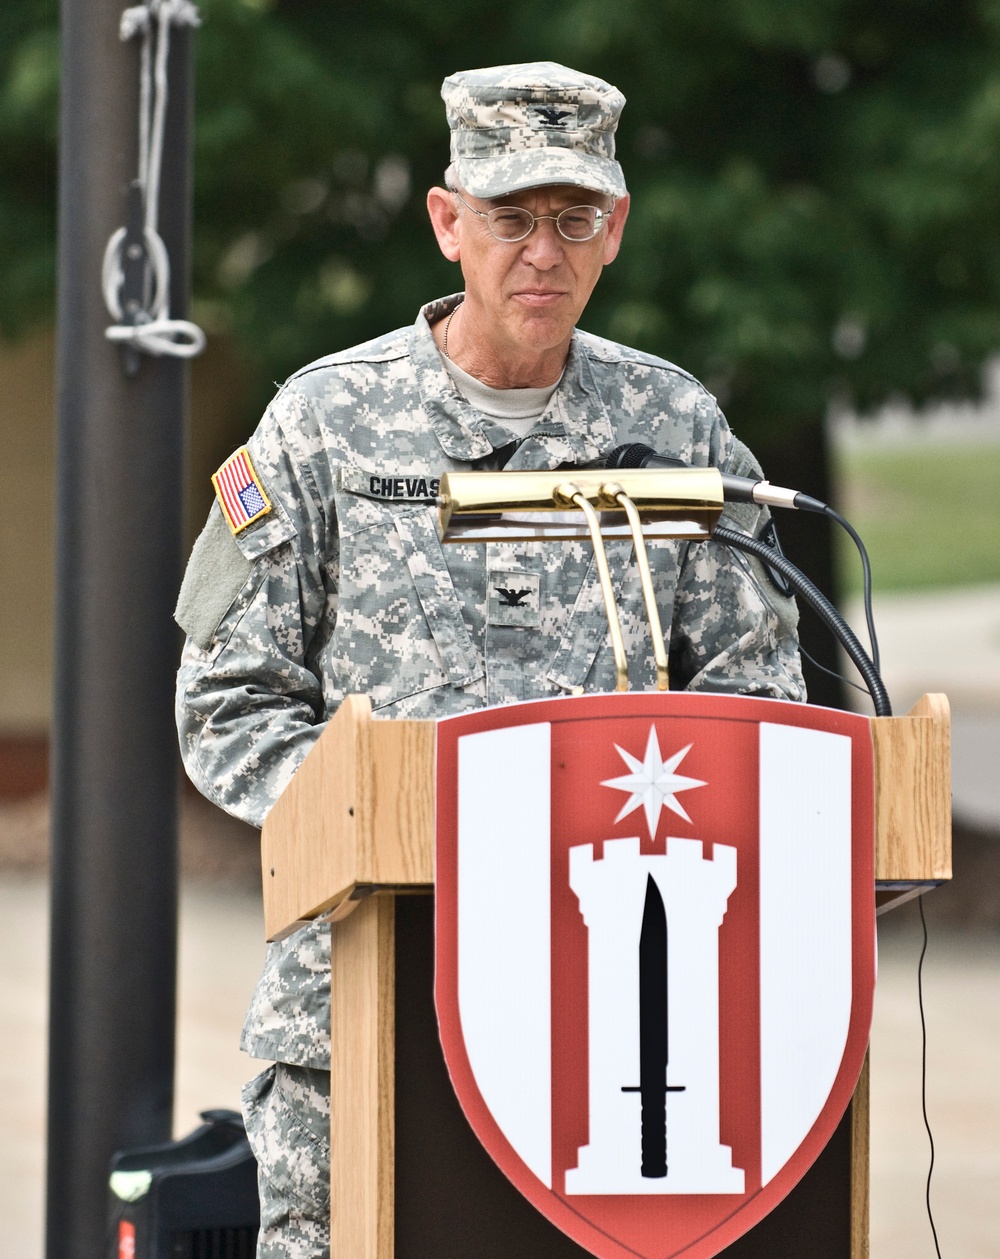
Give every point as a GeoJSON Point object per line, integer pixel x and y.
{"type": "Point", "coordinates": [120, 491]}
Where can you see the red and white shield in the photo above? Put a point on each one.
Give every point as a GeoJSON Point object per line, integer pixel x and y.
{"type": "Point", "coordinates": [655, 953]}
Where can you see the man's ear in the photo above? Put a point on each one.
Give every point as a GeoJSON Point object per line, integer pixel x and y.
{"type": "Point", "coordinates": [616, 225]}
{"type": "Point", "coordinates": [444, 220]}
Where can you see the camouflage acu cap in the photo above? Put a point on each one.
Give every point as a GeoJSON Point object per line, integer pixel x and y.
{"type": "Point", "coordinates": [528, 125]}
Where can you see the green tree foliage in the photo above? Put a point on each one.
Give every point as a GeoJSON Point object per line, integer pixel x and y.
{"type": "Point", "coordinates": [814, 190]}
{"type": "Point", "coordinates": [815, 186]}
{"type": "Point", "coordinates": [29, 90]}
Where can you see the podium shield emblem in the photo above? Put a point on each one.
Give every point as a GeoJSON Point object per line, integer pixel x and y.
{"type": "Point", "coordinates": [655, 953]}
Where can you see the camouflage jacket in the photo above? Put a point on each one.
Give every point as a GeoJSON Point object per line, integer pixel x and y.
{"type": "Point", "coordinates": [344, 587]}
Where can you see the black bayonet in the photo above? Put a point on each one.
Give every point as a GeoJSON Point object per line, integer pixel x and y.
{"type": "Point", "coordinates": [653, 1049]}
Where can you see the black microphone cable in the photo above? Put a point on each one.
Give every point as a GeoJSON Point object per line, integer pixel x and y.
{"type": "Point", "coordinates": [866, 569]}
{"type": "Point", "coordinates": [923, 1075]}
{"type": "Point", "coordinates": [820, 604]}
{"type": "Point", "coordinates": [766, 596]}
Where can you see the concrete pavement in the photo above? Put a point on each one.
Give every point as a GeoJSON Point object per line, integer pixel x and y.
{"type": "Point", "coordinates": [221, 948]}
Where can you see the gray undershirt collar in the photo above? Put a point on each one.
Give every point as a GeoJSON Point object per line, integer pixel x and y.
{"type": "Point", "coordinates": [516, 409]}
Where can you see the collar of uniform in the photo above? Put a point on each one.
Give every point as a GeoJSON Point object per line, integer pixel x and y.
{"type": "Point", "coordinates": [575, 428]}
{"type": "Point", "coordinates": [457, 425]}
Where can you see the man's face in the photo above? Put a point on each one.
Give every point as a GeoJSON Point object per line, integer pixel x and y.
{"type": "Point", "coordinates": [526, 296]}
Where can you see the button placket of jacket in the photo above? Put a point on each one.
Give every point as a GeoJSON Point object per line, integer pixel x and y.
{"type": "Point", "coordinates": [437, 596]}
{"type": "Point", "coordinates": [587, 628]}
{"type": "Point", "coordinates": [524, 559]}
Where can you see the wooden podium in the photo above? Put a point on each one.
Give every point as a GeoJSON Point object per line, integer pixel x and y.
{"type": "Point", "coordinates": [354, 830]}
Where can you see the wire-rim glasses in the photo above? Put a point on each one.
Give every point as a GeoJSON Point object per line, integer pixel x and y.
{"type": "Point", "coordinates": [512, 223]}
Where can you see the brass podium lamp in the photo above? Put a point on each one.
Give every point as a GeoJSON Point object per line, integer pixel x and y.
{"type": "Point", "coordinates": [674, 503]}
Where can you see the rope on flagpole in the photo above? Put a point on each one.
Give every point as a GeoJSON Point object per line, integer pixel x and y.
{"type": "Point", "coordinates": [143, 317]}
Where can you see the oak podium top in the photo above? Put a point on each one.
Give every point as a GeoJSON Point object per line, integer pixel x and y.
{"type": "Point", "coordinates": [359, 816]}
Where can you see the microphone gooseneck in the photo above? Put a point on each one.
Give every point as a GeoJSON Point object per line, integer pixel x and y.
{"type": "Point", "coordinates": [735, 489]}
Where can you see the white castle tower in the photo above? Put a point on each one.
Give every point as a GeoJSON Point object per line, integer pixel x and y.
{"type": "Point", "coordinates": [613, 895]}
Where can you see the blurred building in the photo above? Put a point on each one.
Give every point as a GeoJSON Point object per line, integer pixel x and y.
{"type": "Point", "coordinates": [28, 528]}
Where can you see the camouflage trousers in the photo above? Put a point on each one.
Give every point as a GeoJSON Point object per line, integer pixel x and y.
{"type": "Point", "coordinates": [287, 1114]}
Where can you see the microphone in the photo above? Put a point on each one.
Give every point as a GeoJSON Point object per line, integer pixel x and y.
{"type": "Point", "coordinates": [741, 489]}
{"type": "Point", "coordinates": [735, 489]}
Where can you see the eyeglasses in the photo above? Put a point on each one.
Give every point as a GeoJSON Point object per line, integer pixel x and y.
{"type": "Point", "coordinates": [511, 223]}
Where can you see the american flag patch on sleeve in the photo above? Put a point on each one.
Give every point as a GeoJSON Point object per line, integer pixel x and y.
{"type": "Point", "coordinates": [240, 493]}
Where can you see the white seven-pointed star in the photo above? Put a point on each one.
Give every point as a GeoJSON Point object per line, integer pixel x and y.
{"type": "Point", "coordinates": [653, 783]}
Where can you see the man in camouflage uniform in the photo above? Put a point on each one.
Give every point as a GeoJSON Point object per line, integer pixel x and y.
{"type": "Point", "coordinates": [320, 574]}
